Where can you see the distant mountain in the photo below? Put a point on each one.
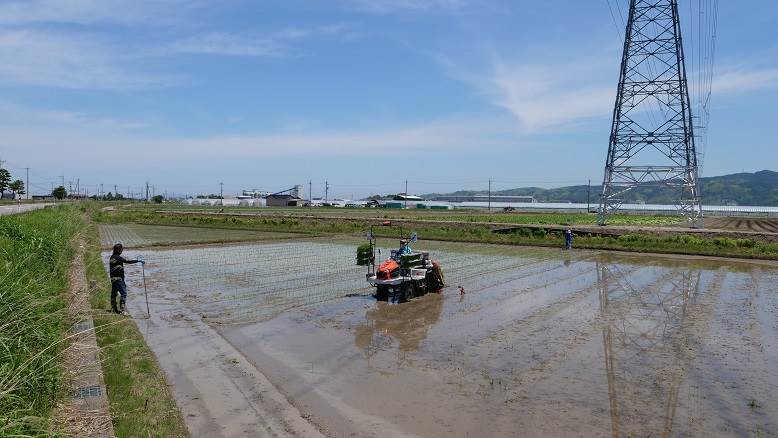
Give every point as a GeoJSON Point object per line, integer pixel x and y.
{"type": "Point", "coordinates": [759, 188]}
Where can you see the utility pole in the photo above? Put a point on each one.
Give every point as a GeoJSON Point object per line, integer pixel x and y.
{"type": "Point", "coordinates": [115, 191]}
{"type": "Point", "coordinates": [588, 195]}
{"type": "Point", "coordinates": [326, 191]}
{"type": "Point", "coordinates": [490, 195]}
{"type": "Point", "coordinates": [128, 193]}
{"type": "Point", "coordinates": [78, 186]}
{"type": "Point", "coordinates": [147, 191]}
{"type": "Point", "coordinates": [70, 186]}
{"type": "Point", "coordinates": [406, 194]}
{"type": "Point", "coordinates": [102, 190]}
{"type": "Point", "coordinates": [27, 187]}
{"type": "Point", "coordinates": [310, 192]}
{"type": "Point", "coordinates": [221, 190]}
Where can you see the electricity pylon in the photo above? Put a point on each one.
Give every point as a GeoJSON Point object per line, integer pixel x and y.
{"type": "Point", "coordinates": [652, 136]}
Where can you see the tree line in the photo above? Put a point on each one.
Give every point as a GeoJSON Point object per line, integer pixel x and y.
{"type": "Point", "coordinates": [16, 187]}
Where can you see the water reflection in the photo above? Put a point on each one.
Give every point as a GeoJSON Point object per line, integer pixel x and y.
{"type": "Point", "coordinates": [651, 336]}
{"type": "Point", "coordinates": [405, 323]}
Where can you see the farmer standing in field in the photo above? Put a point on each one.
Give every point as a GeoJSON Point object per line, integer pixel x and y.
{"type": "Point", "coordinates": [116, 268]}
{"type": "Point", "coordinates": [568, 239]}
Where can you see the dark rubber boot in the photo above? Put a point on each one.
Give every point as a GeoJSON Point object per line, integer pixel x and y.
{"type": "Point", "coordinates": [121, 305]}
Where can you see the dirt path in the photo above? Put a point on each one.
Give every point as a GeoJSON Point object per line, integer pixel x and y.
{"type": "Point", "coordinates": [220, 393]}
{"type": "Point", "coordinates": [21, 208]}
{"type": "Point", "coordinates": [86, 412]}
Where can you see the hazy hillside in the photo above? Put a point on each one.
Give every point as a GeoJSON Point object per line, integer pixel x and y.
{"type": "Point", "coordinates": [759, 188]}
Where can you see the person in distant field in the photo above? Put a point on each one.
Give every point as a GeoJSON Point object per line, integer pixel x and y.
{"type": "Point", "coordinates": [568, 239]}
{"type": "Point", "coordinates": [405, 248]}
{"type": "Point", "coordinates": [118, 286]}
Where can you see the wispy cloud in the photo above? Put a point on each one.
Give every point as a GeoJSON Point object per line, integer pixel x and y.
{"type": "Point", "coordinates": [541, 97]}
{"type": "Point", "coordinates": [19, 12]}
{"type": "Point", "coordinates": [69, 61]}
{"type": "Point", "coordinates": [385, 6]}
{"type": "Point", "coordinates": [13, 116]}
{"type": "Point", "coordinates": [22, 136]}
{"type": "Point", "coordinates": [743, 78]}
{"type": "Point", "coordinates": [273, 44]}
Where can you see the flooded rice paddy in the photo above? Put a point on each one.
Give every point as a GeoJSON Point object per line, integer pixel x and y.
{"type": "Point", "coordinates": [140, 235]}
{"type": "Point", "coordinates": [542, 342]}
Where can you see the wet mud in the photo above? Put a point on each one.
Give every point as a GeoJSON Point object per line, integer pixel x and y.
{"type": "Point", "coordinates": [537, 342]}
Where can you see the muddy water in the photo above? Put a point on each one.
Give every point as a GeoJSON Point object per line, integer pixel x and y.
{"type": "Point", "coordinates": [541, 343]}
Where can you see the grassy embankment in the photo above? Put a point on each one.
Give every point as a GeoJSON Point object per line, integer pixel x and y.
{"type": "Point", "coordinates": [636, 242]}
{"type": "Point", "coordinates": [36, 250]}
{"type": "Point", "coordinates": [475, 215]}
{"type": "Point", "coordinates": [35, 253]}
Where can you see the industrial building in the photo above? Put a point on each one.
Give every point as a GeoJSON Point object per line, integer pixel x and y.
{"type": "Point", "coordinates": [284, 200]}
{"type": "Point", "coordinates": [486, 198]}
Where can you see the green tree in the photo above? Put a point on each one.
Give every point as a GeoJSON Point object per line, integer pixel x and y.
{"type": "Point", "coordinates": [17, 187]}
{"type": "Point", "coordinates": [5, 181]}
{"type": "Point", "coordinates": [59, 192]}
{"type": "Point", "coordinates": [158, 199]}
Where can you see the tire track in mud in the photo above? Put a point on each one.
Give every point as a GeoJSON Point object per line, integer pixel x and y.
{"type": "Point", "coordinates": [510, 388]}
{"type": "Point", "coordinates": [511, 295]}
{"type": "Point", "coordinates": [558, 307]}
{"type": "Point", "coordinates": [540, 372]}
{"type": "Point", "coordinates": [729, 385]}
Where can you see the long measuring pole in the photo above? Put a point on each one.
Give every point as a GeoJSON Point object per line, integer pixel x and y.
{"type": "Point", "coordinates": [145, 292]}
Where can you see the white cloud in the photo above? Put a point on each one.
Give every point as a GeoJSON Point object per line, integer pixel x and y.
{"type": "Point", "coordinates": [741, 79]}
{"type": "Point", "coordinates": [44, 134]}
{"type": "Point", "coordinates": [14, 116]}
{"type": "Point", "coordinates": [277, 43]}
{"type": "Point", "coordinates": [549, 97]}
{"type": "Point", "coordinates": [92, 11]}
{"type": "Point", "coordinates": [69, 61]}
{"type": "Point", "coordinates": [541, 97]}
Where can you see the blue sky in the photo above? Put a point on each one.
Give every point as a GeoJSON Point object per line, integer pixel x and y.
{"type": "Point", "coordinates": [362, 93]}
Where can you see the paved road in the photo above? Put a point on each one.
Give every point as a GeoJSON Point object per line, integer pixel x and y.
{"type": "Point", "coordinates": [23, 208]}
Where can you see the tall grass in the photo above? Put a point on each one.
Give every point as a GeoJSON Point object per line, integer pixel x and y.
{"type": "Point", "coordinates": [35, 252]}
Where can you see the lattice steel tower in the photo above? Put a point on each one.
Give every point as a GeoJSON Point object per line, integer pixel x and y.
{"type": "Point", "coordinates": [652, 136]}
